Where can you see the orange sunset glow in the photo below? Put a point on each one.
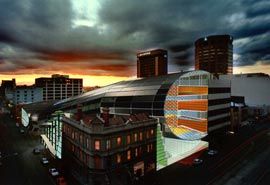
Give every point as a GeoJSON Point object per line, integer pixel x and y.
{"type": "Point", "coordinates": [88, 80]}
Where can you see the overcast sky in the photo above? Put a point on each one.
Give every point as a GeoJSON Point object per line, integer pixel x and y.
{"type": "Point", "coordinates": [101, 37]}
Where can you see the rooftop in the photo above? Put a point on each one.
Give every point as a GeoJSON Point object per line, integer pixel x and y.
{"type": "Point", "coordinates": [96, 124]}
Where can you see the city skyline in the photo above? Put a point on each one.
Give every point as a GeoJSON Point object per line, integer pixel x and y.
{"type": "Point", "coordinates": [96, 41]}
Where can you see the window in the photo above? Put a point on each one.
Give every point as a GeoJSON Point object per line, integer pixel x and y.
{"type": "Point", "coordinates": [118, 158]}
{"type": "Point", "coordinates": [152, 131]}
{"type": "Point", "coordinates": [135, 137]}
{"type": "Point", "coordinates": [136, 152]}
{"type": "Point", "coordinates": [141, 136]}
{"type": "Point", "coordinates": [108, 144]}
{"type": "Point", "coordinates": [148, 148]}
{"type": "Point", "coordinates": [140, 150]}
{"type": "Point", "coordinates": [97, 144]}
{"type": "Point", "coordinates": [97, 162]}
{"type": "Point", "coordinates": [147, 134]}
{"type": "Point", "coordinates": [81, 139]}
{"type": "Point", "coordinates": [119, 141]}
{"type": "Point", "coordinates": [87, 160]}
{"type": "Point", "coordinates": [128, 139]}
{"type": "Point", "coordinates": [128, 155]}
{"type": "Point", "coordinates": [87, 143]}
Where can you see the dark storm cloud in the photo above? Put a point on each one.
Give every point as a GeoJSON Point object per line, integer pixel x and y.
{"type": "Point", "coordinates": [40, 33]}
{"type": "Point", "coordinates": [260, 8]}
{"type": "Point", "coordinates": [179, 48]}
{"type": "Point", "coordinates": [253, 27]}
{"type": "Point", "coordinates": [171, 23]}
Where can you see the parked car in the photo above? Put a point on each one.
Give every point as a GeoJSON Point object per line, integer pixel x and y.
{"type": "Point", "coordinates": [53, 172]}
{"type": "Point", "coordinates": [44, 160]}
{"type": "Point", "coordinates": [36, 151]}
{"type": "Point", "coordinates": [212, 152]}
{"type": "Point", "coordinates": [197, 161]}
{"type": "Point", "coordinates": [21, 131]}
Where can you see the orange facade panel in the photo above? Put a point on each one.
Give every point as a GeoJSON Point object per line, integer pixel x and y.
{"type": "Point", "coordinates": [199, 105]}
{"type": "Point", "coordinates": [200, 125]}
{"type": "Point", "coordinates": [189, 90]}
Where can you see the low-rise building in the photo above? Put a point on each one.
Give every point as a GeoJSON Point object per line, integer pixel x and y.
{"type": "Point", "coordinates": [94, 148]}
{"type": "Point", "coordinates": [7, 89]}
{"type": "Point", "coordinates": [239, 112]}
{"type": "Point", "coordinates": [59, 87]}
{"type": "Point", "coordinates": [255, 88]}
{"type": "Point", "coordinates": [27, 94]}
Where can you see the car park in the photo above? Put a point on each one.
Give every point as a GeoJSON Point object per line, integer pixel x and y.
{"type": "Point", "coordinates": [53, 172]}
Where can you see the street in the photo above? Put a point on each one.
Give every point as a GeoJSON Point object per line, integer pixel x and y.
{"type": "Point", "coordinates": [232, 165]}
{"type": "Point", "coordinates": [18, 164]}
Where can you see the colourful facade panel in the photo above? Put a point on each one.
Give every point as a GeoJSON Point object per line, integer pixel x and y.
{"type": "Point", "coordinates": [190, 90]}
{"type": "Point", "coordinates": [198, 105]}
{"type": "Point", "coordinates": [200, 125]}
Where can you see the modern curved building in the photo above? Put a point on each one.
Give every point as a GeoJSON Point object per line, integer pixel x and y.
{"type": "Point", "coordinates": [214, 54]}
{"type": "Point", "coordinates": [188, 105]}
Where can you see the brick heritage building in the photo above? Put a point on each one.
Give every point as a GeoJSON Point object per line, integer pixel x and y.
{"type": "Point", "coordinates": [96, 148]}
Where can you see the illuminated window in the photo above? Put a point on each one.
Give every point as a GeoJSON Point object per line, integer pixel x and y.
{"type": "Point", "coordinates": [136, 152]}
{"type": "Point", "coordinates": [128, 139]}
{"type": "Point", "coordinates": [128, 155]}
{"type": "Point", "coordinates": [119, 141]}
{"type": "Point", "coordinates": [152, 131]}
{"type": "Point", "coordinates": [108, 144]}
{"type": "Point", "coordinates": [118, 158]}
{"type": "Point", "coordinates": [148, 148]}
{"type": "Point", "coordinates": [141, 136]}
{"type": "Point", "coordinates": [135, 137]}
{"type": "Point", "coordinates": [97, 144]}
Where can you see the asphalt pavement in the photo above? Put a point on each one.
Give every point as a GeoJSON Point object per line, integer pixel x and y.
{"type": "Point", "coordinates": [18, 164]}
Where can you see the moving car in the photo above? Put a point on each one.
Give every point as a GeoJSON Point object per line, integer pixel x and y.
{"type": "Point", "coordinates": [197, 161]}
{"type": "Point", "coordinates": [44, 160]}
{"type": "Point", "coordinates": [212, 152]}
{"type": "Point", "coordinates": [36, 151]}
{"type": "Point", "coordinates": [53, 172]}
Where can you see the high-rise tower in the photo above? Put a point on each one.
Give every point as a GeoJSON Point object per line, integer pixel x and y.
{"type": "Point", "coordinates": [152, 63]}
{"type": "Point", "coordinates": [214, 54]}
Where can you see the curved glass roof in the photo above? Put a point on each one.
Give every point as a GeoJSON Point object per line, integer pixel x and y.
{"type": "Point", "coordinates": [135, 88]}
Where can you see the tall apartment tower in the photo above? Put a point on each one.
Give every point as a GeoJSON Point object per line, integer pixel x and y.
{"type": "Point", "coordinates": [152, 63]}
{"type": "Point", "coordinates": [59, 87]}
{"type": "Point", "coordinates": [214, 54]}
